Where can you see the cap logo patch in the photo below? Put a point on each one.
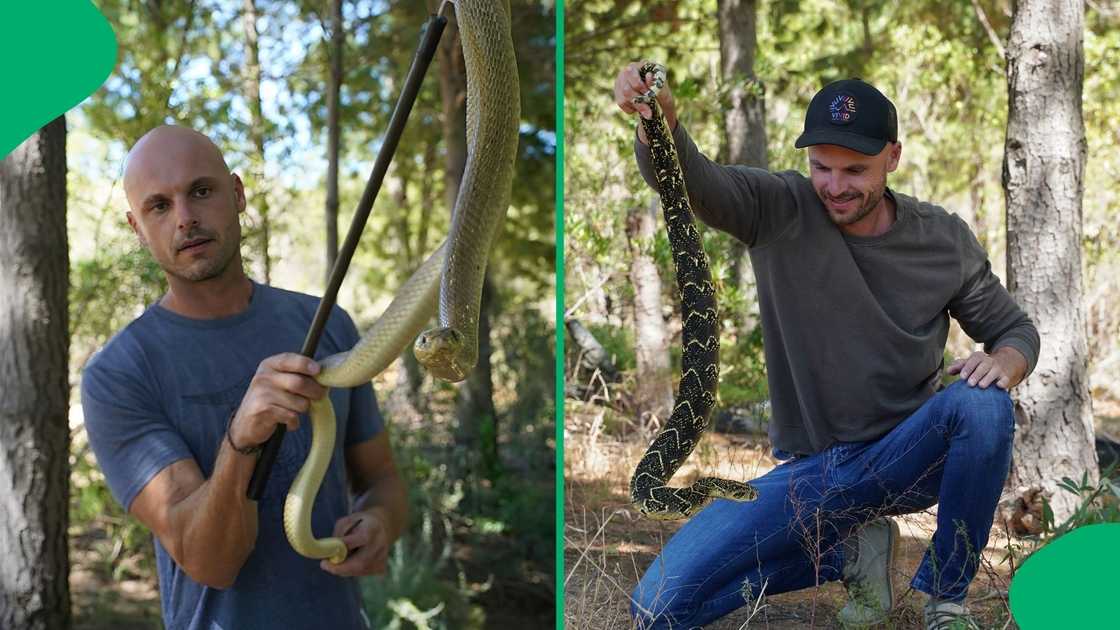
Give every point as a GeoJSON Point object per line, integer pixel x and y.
{"type": "Point", "coordinates": [842, 109]}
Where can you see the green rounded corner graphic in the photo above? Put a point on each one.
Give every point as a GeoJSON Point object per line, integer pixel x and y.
{"type": "Point", "coordinates": [56, 54]}
{"type": "Point", "coordinates": [1069, 583]}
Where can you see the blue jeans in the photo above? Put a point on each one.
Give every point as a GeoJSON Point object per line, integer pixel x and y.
{"type": "Point", "coordinates": [954, 451]}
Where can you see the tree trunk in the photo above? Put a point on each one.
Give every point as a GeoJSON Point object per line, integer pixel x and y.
{"type": "Point", "coordinates": [259, 196]}
{"type": "Point", "coordinates": [1044, 160]}
{"type": "Point", "coordinates": [334, 90]}
{"type": "Point", "coordinates": [654, 397]}
{"type": "Point", "coordinates": [34, 342]}
{"type": "Point", "coordinates": [745, 121]}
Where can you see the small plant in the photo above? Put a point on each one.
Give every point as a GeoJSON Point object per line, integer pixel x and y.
{"type": "Point", "coordinates": [1100, 503]}
{"type": "Point", "coordinates": [415, 592]}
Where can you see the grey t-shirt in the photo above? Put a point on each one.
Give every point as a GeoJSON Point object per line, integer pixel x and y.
{"type": "Point", "coordinates": [853, 328]}
{"type": "Point", "coordinates": [163, 389]}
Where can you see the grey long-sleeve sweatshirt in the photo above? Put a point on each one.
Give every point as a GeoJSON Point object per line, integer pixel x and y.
{"type": "Point", "coordinates": [854, 328]}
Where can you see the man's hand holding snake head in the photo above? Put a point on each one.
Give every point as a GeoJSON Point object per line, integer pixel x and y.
{"type": "Point", "coordinates": [366, 536]}
{"type": "Point", "coordinates": [628, 85]}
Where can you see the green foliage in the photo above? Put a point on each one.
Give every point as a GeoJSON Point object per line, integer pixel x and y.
{"type": "Point", "coordinates": [131, 276]}
{"type": "Point", "coordinates": [416, 593]}
{"type": "Point", "coordinates": [527, 508]}
{"type": "Point", "coordinates": [160, 47]}
{"type": "Point", "coordinates": [425, 586]}
{"type": "Point", "coordinates": [120, 546]}
{"type": "Point", "coordinates": [517, 510]}
{"type": "Point", "coordinates": [525, 345]}
{"type": "Point", "coordinates": [743, 375]}
{"type": "Point", "coordinates": [451, 507]}
{"type": "Point", "coordinates": [619, 344]}
{"type": "Point", "coordinates": [1097, 503]}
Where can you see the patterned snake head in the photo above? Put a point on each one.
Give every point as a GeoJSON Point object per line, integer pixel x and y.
{"type": "Point", "coordinates": [659, 73]}
{"type": "Point", "coordinates": [438, 350]}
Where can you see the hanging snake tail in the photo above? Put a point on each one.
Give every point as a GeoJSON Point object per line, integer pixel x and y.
{"type": "Point", "coordinates": [301, 496]}
{"type": "Point", "coordinates": [696, 393]}
{"type": "Point", "coordinates": [450, 351]}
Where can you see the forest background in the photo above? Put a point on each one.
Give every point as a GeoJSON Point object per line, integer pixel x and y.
{"type": "Point", "coordinates": [742, 73]}
{"type": "Point", "coordinates": [298, 96]}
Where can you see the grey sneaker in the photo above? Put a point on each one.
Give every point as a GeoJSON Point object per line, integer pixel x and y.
{"type": "Point", "coordinates": [941, 615]}
{"type": "Point", "coordinates": [868, 578]}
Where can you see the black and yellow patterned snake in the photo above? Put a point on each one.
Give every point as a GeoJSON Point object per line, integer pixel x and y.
{"type": "Point", "coordinates": [696, 393]}
{"type": "Point", "coordinates": [453, 274]}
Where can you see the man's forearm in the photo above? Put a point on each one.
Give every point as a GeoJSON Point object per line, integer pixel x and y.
{"type": "Point", "coordinates": [387, 496]}
{"type": "Point", "coordinates": [216, 525]}
{"type": "Point", "coordinates": [1013, 362]}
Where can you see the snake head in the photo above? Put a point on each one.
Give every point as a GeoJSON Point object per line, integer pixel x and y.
{"type": "Point", "coordinates": [439, 350]}
{"type": "Point", "coordinates": [738, 491]}
{"type": "Point", "coordinates": [659, 73]}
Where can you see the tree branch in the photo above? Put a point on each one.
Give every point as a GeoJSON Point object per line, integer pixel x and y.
{"type": "Point", "coordinates": [992, 35]}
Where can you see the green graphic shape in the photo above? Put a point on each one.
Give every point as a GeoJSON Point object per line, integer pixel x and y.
{"type": "Point", "coordinates": [54, 54]}
{"type": "Point", "coordinates": [1071, 582]}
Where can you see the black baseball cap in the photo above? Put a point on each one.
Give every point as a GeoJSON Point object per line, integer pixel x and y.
{"type": "Point", "coordinates": [850, 113]}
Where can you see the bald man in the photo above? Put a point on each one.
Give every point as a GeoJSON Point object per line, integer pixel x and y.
{"type": "Point", "coordinates": [178, 403]}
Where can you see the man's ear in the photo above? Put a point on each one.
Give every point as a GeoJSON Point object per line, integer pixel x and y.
{"type": "Point", "coordinates": [136, 229]}
{"type": "Point", "coordinates": [238, 193]}
{"type": "Point", "coordinates": [895, 155]}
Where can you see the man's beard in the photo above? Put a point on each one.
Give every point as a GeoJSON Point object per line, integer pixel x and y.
{"type": "Point", "coordinates": [873, 199]}
{"type": "Point", "coordinates": [212, 267]}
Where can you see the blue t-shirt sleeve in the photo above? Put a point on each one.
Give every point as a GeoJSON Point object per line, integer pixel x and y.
{"type": "Point", "coordinates": [129, 433]}
{"type": "Point", "coordinates": [365, 417]}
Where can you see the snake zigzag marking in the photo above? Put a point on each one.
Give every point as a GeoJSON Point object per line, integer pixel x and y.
{"type": "Point", "coordinates": [649, 488]}
{"type": "Point", "coordinates": [453, 275]}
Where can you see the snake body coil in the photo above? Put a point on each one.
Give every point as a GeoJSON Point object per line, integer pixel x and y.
{"type": "Point", "coordinates": [453, 274]}
{"type": "Point", "coordinates": [696, 393]}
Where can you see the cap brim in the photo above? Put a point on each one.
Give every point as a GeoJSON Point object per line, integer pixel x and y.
{"type": "Point", "coordinates": [855, 142]}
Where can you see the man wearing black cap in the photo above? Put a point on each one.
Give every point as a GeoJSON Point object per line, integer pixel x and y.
{"type": "Point", "coordinates": [856, 284]}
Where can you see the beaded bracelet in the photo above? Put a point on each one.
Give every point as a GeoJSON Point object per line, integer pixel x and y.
{"type": "Point", "coordinates": [248, 450]}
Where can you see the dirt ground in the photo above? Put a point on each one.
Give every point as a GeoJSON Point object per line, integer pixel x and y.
{"type": "Point", "coordinates": [608, 545]}
{"type": "Point", "coordinates": [98, 602]}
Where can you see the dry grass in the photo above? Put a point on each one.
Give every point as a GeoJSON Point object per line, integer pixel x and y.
{"type": "Point", "coordinates": [608, 545]}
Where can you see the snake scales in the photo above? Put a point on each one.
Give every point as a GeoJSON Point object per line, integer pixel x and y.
{"type": "Point", "coordinates": [696, 393]}
{"type": "Point", "coordinates": [453, 274]}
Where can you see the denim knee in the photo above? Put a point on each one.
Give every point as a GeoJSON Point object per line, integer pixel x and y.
{"type": "Point", "coordinates": [984, 414]}
{"type": "Point", "coordinates": [643, 606]}
{"type": "Point", "coordinates": [653, 607]}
